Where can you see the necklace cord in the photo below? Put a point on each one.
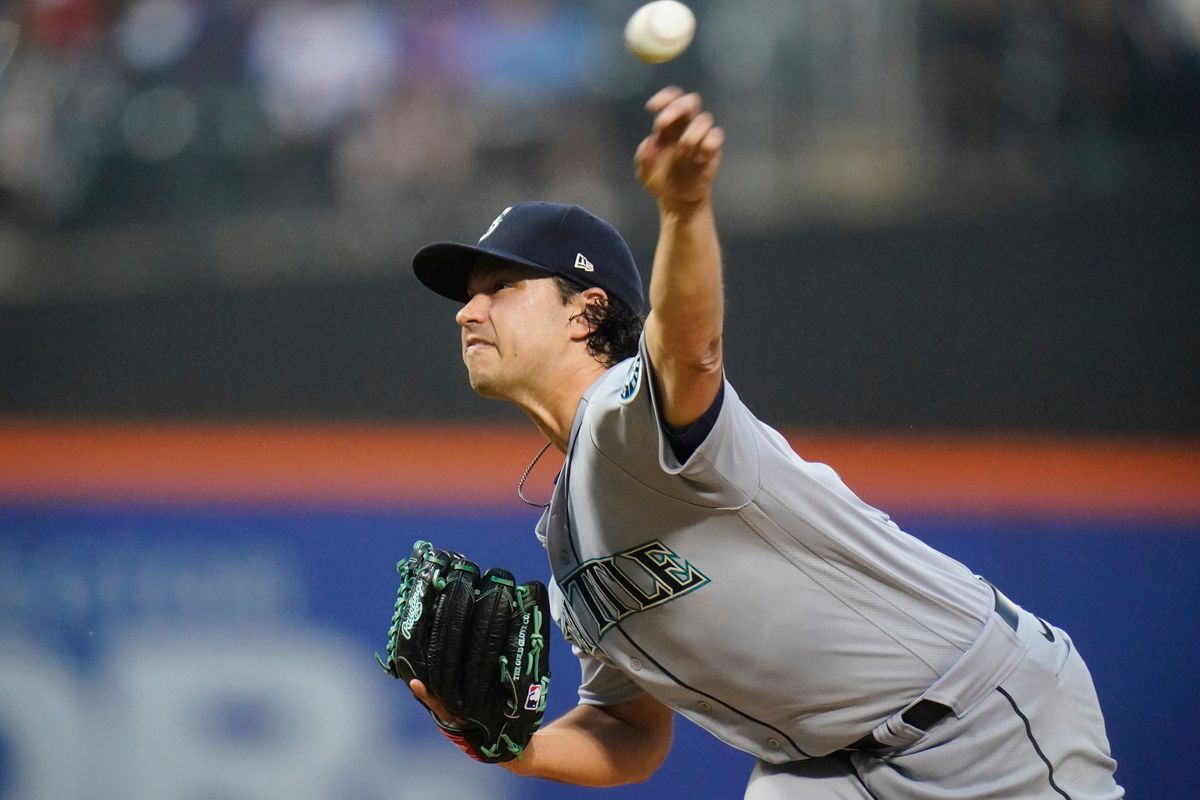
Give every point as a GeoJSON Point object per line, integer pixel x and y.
{"type": "Point", "coordinates": [525, 476]}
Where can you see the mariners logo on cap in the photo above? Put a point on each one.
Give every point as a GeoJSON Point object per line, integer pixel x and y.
{"type": "Point", "coordinates": [495, 223]}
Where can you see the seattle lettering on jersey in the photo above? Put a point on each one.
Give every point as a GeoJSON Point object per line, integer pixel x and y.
{"type": "Point", "coordinates": [604, 591]}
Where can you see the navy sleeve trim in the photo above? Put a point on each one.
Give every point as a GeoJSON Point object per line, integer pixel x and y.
{"type": "Point", "coordinates": [685, 441]}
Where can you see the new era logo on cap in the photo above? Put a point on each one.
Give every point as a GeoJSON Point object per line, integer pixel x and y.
{"type": "Point", "coordinates": [582, 263]}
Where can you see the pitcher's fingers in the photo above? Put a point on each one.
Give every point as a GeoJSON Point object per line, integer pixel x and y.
{"type": "Point", "coordinates": [695, 131]}
{"type": "Point", "coordinates": [710, 145]}
{"type": "Point", "coordinates": [662, 97]}
{"type": "Point", "coordinates": [643, 159]}
{"type": "Point", "coordinates": [681, 109]}
{"type": "Point", "coordinates": [429, 701]}
{"type": "Point", "coordinates": [675, 117]}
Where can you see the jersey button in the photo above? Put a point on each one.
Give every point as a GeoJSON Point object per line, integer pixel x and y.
{"type": "Point", "coordinates": [704, 706]}
{"type": "Point", "coordinates": [773, 743]}
{"type": "Point", "coordinates": [635, 664]}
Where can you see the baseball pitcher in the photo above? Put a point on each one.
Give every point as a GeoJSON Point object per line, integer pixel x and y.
{"type": "Point", "coordinates": [700, 566]}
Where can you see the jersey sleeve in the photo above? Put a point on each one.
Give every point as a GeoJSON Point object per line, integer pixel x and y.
{"type": "Point", "coordinates": [627, 428]}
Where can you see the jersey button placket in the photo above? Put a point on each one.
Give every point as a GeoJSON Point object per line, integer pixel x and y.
{"type": "Point", "coordinates": [635, 664]}
{"type": "Point", "coordinates": [773, 743]}
{"type": "Point", "coordinates": [704, 706]}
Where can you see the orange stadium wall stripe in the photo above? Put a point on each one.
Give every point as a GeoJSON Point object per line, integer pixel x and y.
{"type": "Point", "coordinates": [465, 467]}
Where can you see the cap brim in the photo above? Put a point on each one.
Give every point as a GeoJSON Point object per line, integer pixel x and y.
{"type": "Point", "coordinates": [445, 266]}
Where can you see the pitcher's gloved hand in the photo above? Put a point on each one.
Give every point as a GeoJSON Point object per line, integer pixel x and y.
{"type": "Point", "coordinates": [480, 644]}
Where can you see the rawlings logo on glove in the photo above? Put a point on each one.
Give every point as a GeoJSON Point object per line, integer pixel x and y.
{"type": "Point", "coordinates": [479, 643]}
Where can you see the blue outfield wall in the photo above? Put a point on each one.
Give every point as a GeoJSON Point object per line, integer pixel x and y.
{"type": "Point", "coordinates": [208, 653]}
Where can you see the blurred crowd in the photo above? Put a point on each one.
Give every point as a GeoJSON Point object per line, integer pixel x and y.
{"type": "Point", "coordinates": [253, 119]}
{"type": "Point", "coordinates": [359, 99]}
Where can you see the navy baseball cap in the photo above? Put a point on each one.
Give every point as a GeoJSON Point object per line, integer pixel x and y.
{"type": "Point", "coordinates": [549, 237]}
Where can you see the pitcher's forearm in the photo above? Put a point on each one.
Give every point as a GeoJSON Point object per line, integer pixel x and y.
{"type": "Point", "coordinates": [686, 287]}
{"type": "Point", "coordinates": [590, 746]}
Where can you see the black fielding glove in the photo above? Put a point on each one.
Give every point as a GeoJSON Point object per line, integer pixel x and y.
{"type": "Point", "coordinates": [479, 643]}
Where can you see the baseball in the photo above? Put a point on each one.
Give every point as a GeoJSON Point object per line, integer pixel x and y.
{"type": "Point", "coordinates": [659, 31]}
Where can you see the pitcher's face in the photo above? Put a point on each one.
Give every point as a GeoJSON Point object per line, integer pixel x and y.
{"type": "Point", "coordinates": [514, 326]}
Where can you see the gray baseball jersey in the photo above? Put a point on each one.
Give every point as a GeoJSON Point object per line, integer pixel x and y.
{"type": "Point", "coordinates": [752, 591]}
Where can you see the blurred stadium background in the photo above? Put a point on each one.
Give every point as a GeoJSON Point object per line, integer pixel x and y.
{"type": "Point", "coordinates": [963, 246]}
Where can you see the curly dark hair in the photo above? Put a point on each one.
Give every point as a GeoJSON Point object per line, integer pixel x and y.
{"type": "Point", "coordinates": [616, 328]}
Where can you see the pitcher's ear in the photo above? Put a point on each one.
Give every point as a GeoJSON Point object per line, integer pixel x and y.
{"type": "Point", "coordinates": [590, 306]}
